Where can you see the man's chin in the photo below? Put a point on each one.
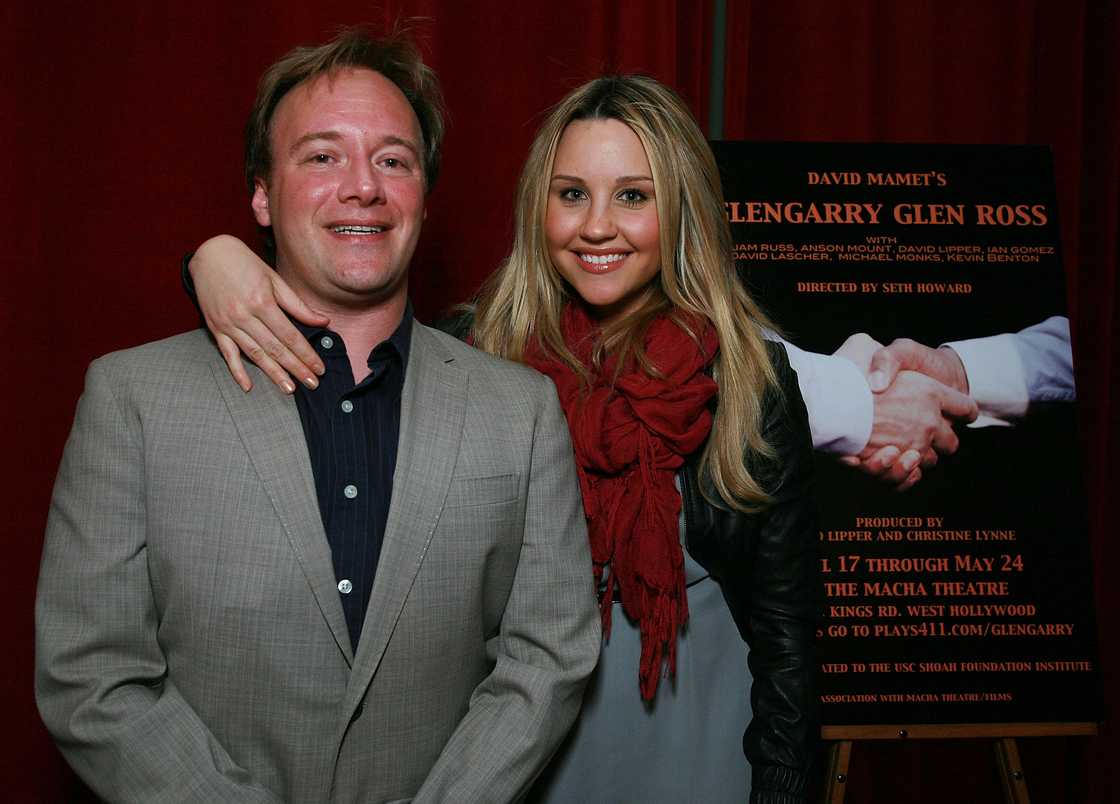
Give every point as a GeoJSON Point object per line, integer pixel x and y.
{"type": "Point", "coordinates": [350, 285]}
{"type": "Point", "coordinates": [373, 293]}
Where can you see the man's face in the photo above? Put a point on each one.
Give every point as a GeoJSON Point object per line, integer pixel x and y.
{"type": "Point", "coordinates": [345, 198]}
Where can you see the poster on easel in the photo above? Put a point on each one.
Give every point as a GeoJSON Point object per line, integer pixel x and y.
{"type": "Point", "coordinates": [966, 598]}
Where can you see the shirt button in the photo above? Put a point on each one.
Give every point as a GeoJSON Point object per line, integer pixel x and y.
{"type": "Point", "coordinates": [350, 491]}
{"type": "Point", "coordinates": [347, 406]}
{"type": "Point", "coordinates": [345, 586]}
{"type": "Point", "coordinates": [327, 342]}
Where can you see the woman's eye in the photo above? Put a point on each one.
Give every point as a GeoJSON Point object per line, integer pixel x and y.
{"type": "Point", "coordinates": [572, 194]}
{"type": "Point", "coordinates": [632, 198]}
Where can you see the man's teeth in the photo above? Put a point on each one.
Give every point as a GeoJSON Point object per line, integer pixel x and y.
{"type": "Point", "coordinates": [359, 230]}
{"type": "Point", "coordinates": [602, 259]}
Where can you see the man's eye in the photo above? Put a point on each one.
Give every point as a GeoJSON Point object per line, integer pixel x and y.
{"type": "Point", "coordinates": [321, 159]}
{"type": "Point", "coordinates": [394, 163]}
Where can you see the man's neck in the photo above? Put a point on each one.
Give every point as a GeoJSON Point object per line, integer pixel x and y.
{"type": "Point", "coordinates": [361, 330]}
{"type": "Point", "coordinates": [362, 325]}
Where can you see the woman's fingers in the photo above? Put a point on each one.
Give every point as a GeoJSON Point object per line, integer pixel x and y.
{"type": "Point", "coordinates": [232, 355]}
{"type": "Point", "coordinates": [275, 359]}
{"type": "Point", "coordinates": [266, 336]}
{"type": "Point", "coordinates": [287, 346]}
{"type": "Point", "coordinates": [294, 305]}
{"type": "Point", "coordinates": [247, 342]}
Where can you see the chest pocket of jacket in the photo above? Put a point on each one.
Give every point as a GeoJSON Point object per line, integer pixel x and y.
{"type": "Point", "coordinates": [470, 492]}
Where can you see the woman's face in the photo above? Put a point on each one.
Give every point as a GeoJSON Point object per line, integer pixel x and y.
{"type": "Point", "coordinates": [601, 222]}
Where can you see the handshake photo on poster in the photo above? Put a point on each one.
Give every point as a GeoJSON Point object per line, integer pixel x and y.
{"type": "Point", "coordinates": [899, 409]}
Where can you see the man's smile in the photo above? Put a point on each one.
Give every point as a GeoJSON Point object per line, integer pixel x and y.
{"type": "Point", "coordinates": [349, 229]}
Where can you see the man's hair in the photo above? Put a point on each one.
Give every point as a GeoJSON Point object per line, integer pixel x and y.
{"type": "Point", "coordinates": [394, 56]}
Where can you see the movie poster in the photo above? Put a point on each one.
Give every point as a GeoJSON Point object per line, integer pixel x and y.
{"type": "Point", "coordinates": [968, 597]}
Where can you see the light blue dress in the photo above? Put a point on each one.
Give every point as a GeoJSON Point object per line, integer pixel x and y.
{"type": "Point", "coordinates": [687, 746]}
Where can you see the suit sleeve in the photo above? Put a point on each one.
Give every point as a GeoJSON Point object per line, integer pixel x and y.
{"type": "Point", "coordinates": [101, 680]}
{"type": "Point", "coordinates": [547, 645]}
{"type": "Point", "coordinates": [781, 740]}
{"type": "Point", "coordinates": [1008, 373]}
{"type": "Point", "coordinates": [837, 399]}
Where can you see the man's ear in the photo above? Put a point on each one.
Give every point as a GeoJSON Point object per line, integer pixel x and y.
{"type": "Point", "coordinates": [260, 203]}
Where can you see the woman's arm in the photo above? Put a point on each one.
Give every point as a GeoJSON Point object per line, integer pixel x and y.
{"type": "Point", "coordinates": [243, 302]}
{"type": "Point", "coordinates": [784, 605]}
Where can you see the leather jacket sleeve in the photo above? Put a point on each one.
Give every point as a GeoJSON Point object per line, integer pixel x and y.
{"type": "Point", "coordinates": [766, 564]}
{"type": "Point", "coordinates": [456, 323]}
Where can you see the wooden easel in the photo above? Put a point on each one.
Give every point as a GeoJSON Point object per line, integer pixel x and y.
{"type": "Point", "coordinates": [1004, 734]}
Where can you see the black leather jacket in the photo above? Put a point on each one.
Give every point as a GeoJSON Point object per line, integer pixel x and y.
{"type": "Point", "coordinates": [766, 565]}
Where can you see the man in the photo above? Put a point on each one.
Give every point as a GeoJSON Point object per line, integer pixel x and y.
{"type": "Point", "coordinates": [202, 626]}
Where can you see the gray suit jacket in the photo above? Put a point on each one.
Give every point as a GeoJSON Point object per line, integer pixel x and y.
{"type": "Point", "coordinates": [191, 645]}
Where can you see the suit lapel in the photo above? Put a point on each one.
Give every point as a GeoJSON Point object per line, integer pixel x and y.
{"type": "Point", "coordinates": [433, 405]}
{"type": "Point", "coordinates": [269, 426]}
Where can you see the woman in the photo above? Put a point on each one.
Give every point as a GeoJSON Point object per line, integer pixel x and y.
{"type": "Point", "coordinates": [620, 286]}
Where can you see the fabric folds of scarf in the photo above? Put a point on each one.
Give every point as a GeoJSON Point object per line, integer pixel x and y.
{"type": "Point", "coordinates": [631, 432]}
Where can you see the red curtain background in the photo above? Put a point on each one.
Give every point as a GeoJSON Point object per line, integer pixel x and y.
{"type": "Point", "coordinates": [122, 140]}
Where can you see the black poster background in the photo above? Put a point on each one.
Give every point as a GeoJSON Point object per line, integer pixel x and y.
{"type": "Point", "coordinates": [1024, 478]}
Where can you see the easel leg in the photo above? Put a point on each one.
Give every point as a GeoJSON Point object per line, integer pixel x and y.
{"type": "Point", "coordinates": [838, 756]}
{"type": "Point", "coordinates": [1011, 771]}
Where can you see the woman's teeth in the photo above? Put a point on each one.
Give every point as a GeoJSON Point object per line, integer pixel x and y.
{"type": "Point", "coordinates": [601, 259]}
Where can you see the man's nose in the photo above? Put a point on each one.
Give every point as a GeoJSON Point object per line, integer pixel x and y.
{"type": "Point", "coordinates": [599, 224]}
{"type": "Point", "coordinates": [361, 183]}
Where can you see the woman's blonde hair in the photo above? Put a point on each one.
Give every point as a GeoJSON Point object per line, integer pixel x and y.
{"type": "Point", "coordinates": [525, 296]}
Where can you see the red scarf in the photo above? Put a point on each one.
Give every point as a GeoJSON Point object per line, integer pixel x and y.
{"type": "Point", "coordinates": [630, 436]}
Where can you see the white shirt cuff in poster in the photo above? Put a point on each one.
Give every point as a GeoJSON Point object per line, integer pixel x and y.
{"type": "Point", "coordinates": [837, 399]}
{"type": "Point", "coordinates": [1006, 373]}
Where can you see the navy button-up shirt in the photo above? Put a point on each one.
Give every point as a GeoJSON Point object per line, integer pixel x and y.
{"type": "Point", "coordinates": [352, 433]}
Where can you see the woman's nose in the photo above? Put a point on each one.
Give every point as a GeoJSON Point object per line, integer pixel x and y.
{"type": "Point", "coordinates": [599, 224]}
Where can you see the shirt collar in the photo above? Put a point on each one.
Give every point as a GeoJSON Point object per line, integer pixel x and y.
{"type": "Point", "coordinates": [400, 340]}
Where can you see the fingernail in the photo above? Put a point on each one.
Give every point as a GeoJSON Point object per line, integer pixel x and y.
{"type": "Point", "coordinates": [320, 369]}
{"type": "Point", "coordinates": [877, 380]}
{"type": "Point", "coordinates": [311, 382]}
{"type": "Point", "coordinates": [909, 460]}
{"type": "Point", "coordinates": [288, 386]}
